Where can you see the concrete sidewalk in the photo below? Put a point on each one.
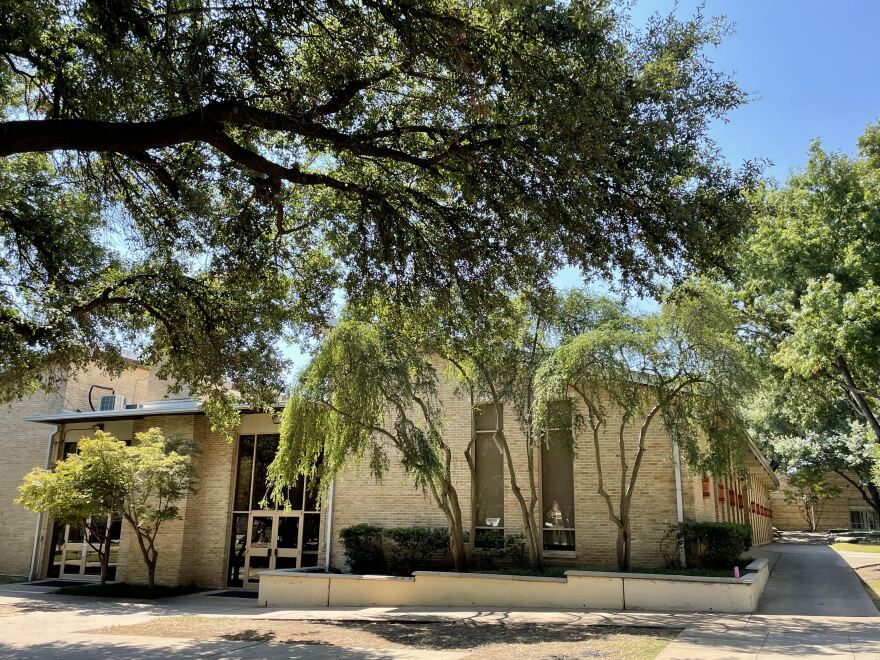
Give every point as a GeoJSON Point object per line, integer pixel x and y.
{"type": "Point", "coordinates": [812, 580]}
{"type": "Point", "coordinates": [815, 609]}
{"type": "Point", "coordinates": [814, 605]}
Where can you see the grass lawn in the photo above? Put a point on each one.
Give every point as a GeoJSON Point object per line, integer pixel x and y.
{"type": "Point", "coordinates": [870, 577]}
{"type": "Point", "coordinates": [482, 641]}
{"type": "Point", "coordinates": [857, 547]}
{"type": "Point", "coordinates": [123, 590]}
{"type": "Point", "coordinates": [873, 589]}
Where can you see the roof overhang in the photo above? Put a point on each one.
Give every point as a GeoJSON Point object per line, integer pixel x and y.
{"type": "Point", "coordinates": [156, 409]}
{"type": "Point", "coordinates": [763, 462]}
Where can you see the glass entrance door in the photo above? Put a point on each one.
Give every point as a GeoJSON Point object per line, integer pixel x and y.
{"type": "Point", "coordinates": [74, 555]}
{"type": "Point", "coordinates": [273, 542]}
{"type": "Point", "coordinates": [266, 535]}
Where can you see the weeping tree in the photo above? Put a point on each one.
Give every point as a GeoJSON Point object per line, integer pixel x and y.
{"type": "Point", "coordinates": [683, 367]}
{"type": "Point", "coordinates": [368, 387]}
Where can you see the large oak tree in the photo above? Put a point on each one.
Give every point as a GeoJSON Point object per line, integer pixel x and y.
{"type": "Point", "coordinates": [196, 179]}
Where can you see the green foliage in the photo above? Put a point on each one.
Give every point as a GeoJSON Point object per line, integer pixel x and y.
{"type": "Point", "coordinates": [87, 484]}
{"type": "Point", "coordinates": [496, 548]}
{"type": "Point", "coordinates": [685, 363]}
{"type": "Point", "coordinates": [811, 281]}
{"type": "Point", "coordinates": [362, 545]}
{"type": "Point", "coordinates": [413, 547]}
{"type": "Point", "coordinates": [368, 388]}
{"type": "Point", "coordinates": [396, 550]}
{"type": "Point", "coordinates": [157, 475]}
{"type": "Point", "coordinates": [684, 366]}
{"type": "Point", "coordinates": [143, 483]}
{"type": "Point", "coordinates": [356, 394]}
{"type": "Point", "coordinates": [220, 174]}
{"type": "Point", "coordinates": [851, 452]}
{"type": "Point", "coordinates": [714, 544]}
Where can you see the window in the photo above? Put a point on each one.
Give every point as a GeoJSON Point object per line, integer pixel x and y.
{"type": "Point", "coordinates": [557, 480]}
{"type": "Point", "coordinates": [267, 534]}
{"type": "Point", "coordinates": [863, 519]}
{"type": "Point", "coordinates": [489, 486]}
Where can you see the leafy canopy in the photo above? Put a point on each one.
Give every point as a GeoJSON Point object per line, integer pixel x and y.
{"type": "Point", "coordinates": [196, 180]}
{"type": "Point", "coordinates": [87, 484]}
{"type": "Point", "coordinates": [684, 364]}
{"type": "Point", "coordinates": [811, 279]}
{"type": "Point", "coordinates": [367, 388]}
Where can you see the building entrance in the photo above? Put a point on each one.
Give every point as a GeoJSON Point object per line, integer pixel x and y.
{"type": "Point", "coordinates": [268, 536]}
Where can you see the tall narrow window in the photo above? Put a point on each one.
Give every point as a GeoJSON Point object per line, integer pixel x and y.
{"type": "Point", "coordinates": [557, 480]}
{"type": "Point", "coordinates": [489, 487]}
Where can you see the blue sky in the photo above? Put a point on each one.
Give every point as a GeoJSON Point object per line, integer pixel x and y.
{"type": "Point", "coordinates": [811, 67]}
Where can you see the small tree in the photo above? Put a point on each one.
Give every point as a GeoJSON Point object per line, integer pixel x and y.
{"type": "Point", "coordinates": [142, 483]}
{"type": "Point", "coordinates": [83, 490]}
{"type": "Point", "coordinates": [809, 491]}
{"type": "Point", "coordinates": [157, 473]}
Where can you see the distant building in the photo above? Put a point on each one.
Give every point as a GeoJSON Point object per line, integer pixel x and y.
{"type": "Point", "coordinates": [847, 510]}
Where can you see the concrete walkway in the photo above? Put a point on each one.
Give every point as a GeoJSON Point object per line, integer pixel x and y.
{"type": "Point", "coordinates": [812, 580]}
{"type": "Point", "coordinates": [814, 605]}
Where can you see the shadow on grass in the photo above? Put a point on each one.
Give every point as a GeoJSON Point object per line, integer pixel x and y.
{"type": "Point", "coordinates": [469, 634]}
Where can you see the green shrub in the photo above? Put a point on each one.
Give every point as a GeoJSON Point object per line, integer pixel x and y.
{"type": "Point", "coordinates": [363, 548]}
{"type": "Point", "coordinates": [494, 547]}
{"type": "Point", "coordinates": [414, 547]}
{"type": "Point", "coordinates": [714, 544]}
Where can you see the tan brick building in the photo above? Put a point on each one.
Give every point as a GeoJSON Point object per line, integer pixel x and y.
{"type": "Point", "coordinates": [224, 537]}
{"type": "Point", "coordinates": [846, 510]}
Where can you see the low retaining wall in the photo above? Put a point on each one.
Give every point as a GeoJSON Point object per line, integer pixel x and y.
{"type": "Point", "coordinates": [577, 590]}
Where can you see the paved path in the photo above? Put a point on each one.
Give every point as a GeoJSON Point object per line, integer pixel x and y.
{"type": "Point", "coordinates": [813, 580]}
{"type": "Point", "coordinates": [814, 605]}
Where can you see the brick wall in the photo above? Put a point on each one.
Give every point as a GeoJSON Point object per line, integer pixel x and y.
{"type": "Point", "coordinates": [833, 514]}
{"type": "Point", "coordinates": [24, 445]}
{"type": "Point", "coordinates": [395, 501]}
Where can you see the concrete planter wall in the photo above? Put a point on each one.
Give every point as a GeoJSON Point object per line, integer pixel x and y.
{"type": "Point", "coordinates": [577, 590]}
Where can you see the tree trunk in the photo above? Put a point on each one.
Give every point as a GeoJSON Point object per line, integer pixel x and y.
{"type": "Point", "coordinates": [452, 511]}
{"type": "Point", "coordinates": [528, 521]}
{"type": "Point", "coordinates": [856, 395]}
{"type": "Point", "coordinates": [105, 558]}
{"type": "Point", "coordinates": [459, 554]}
{"type": "Point", "coordinates": [623, 547]}
{"type": "Point", "coordinates": [149, 553]}
{"type": "Point", "coordinates": [869, 492]}
{"type": "Point", "coordinates": [875, 498]}
{"type": "Point", "coordinates": [151, 572]}
{"type": "Point", "coordinates": [533, 502]}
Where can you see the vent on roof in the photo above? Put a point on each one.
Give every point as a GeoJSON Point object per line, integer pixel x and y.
{"type": "Point", "coordinates": [112, 402]}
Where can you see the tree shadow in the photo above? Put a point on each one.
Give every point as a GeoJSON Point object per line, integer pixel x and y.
{"type": "Point", "coordinates": [470, 634]}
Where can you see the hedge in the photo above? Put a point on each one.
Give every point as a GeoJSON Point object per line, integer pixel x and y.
{"type": "Point", "coordinates": [714, 544]}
